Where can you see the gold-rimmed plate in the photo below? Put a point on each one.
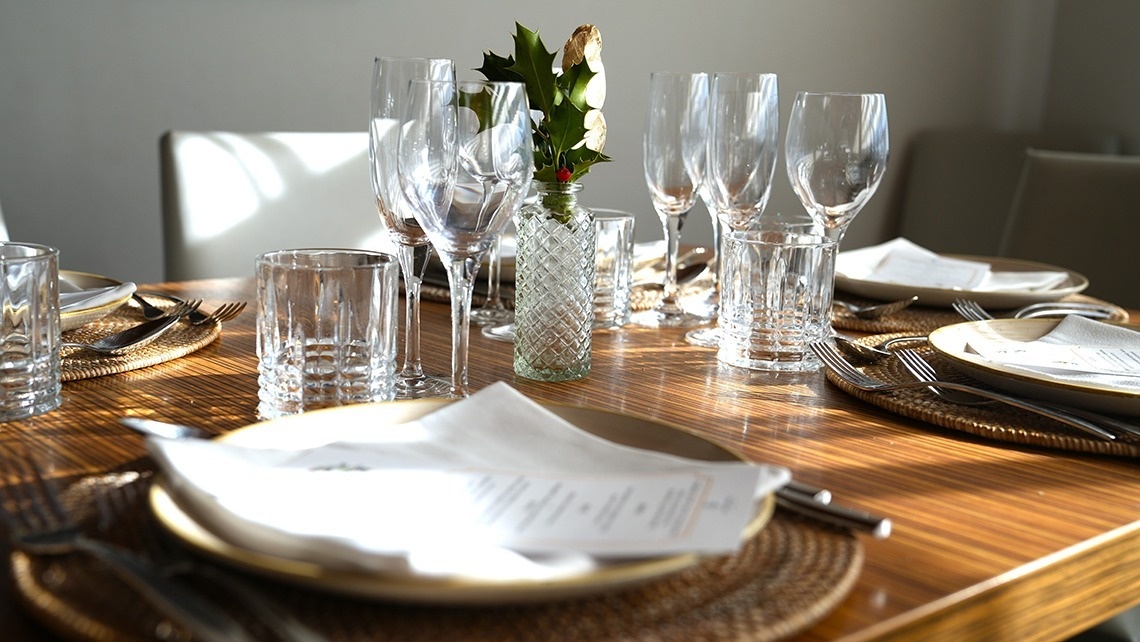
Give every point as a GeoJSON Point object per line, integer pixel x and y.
{"type": "Point", "coordinates": [319, 427]}
{"type": "Point", "coordinates": [72, 319]}
{"type": "Point", "coordinates": [942, 297]}
{"type": "Point", "coordinates": [950, 342]}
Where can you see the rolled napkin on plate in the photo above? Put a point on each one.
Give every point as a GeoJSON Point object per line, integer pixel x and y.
{"type": "Point", "coordinates": [1077, 350]}
{"type": "Point", "coordinates": [491, 486]}
{"type": "Point", "coordinates": [72, 299]}
{"type": "Point", "coordinates": [903, 262]}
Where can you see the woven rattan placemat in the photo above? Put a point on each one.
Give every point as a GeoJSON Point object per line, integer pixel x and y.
{"type": "Point", "coordinates": [992, 421]}
{"type": "Point", "coordinates": [787, 578]}
{"type": "Point", "coordinates": [180, 340]}
{"type": "Point", "coordinates": [922, 319]}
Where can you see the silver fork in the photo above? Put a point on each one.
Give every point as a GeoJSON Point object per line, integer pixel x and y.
{"type": "Point", "coordinates": [170, 560]}
{"type": "Point", "coordinates": [830, 356]}
{"type": "Point", "coordinates": [224, 312]}
{"type": "Point", "coordinates": [923, 371]}
{"type": "Point", "coordinates": [39, 524]}
{"type": "Point", "coordinates": [973, 311]}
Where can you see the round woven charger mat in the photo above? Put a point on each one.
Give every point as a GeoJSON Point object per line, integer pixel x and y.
{"type": "Point", "coordinates": [180, 340]}
{"type": "Point", "coordinates": [785, 579]}
{"type": "Point", "coordinates": [922, 319]}
{"type": "Point", "coordinates": [992, 421]}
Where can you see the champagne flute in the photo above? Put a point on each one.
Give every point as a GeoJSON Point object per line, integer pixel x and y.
{"type": "Point", "coordinates": [744, 124]}
{"type": "Point", "coordinates": [674, 149]}
{"type": "Point", "coordinates": [390, 79]}
{"type": "Point", "coordinates": [493, 312]}
{"type": "Point", "coordinates": [466, 161]}
{"type": "Point", "coordinates": [836, 152]}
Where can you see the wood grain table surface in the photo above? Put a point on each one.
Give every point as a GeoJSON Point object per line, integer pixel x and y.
{"type": "Point", "coordinates": [991, 541]}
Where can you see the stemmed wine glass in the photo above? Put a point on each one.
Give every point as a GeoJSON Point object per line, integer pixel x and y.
{"type": "Point", "coordinates": [465, 161]}
{"type": "Point", "coordinates": [836, 154]}
{"type": "Point", "coordinates": [493, 312]}
{"type": "Point", "coordinates": [743, 143]}
{"type": "Point", "coordinates": [674, 167]}
{"type": "Point", "coordinates": [390, 80]}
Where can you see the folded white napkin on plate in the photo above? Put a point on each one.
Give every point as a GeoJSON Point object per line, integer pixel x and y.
{"type": "Point", "coordinates": [1078, 350]}
{"type": "Point", "coordinates": [72, 299]}
{"type": "Point", "coordinates": [494, 486]}
{"type": "Point", "coordinates": [906, 263]}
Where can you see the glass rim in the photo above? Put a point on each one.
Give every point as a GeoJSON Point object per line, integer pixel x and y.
{"type": "Point", "coordinates": [286, 258]}
{"type": "Point", "coordinates": [412, 59]}
{"type": "Point", "coordinates": [852, 94]}
{"type": "Point", "coordinates": [40, 251]}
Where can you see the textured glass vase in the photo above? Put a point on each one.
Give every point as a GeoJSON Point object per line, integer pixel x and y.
{"type": "Point", "coordinates": [554, 285]}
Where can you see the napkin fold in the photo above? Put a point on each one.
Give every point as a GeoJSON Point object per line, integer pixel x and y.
{"type": "Point", "coordinates": [903, 262]}
{"type": "Point", "coordinates": [490, 487]}
{"type": "Point", "coordinates": [1077, 350]}
{"type": "Point", "coordinates": [72, 299]}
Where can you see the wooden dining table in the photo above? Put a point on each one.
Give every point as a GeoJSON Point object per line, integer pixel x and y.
{"type": "Point", "coordinates": [991, 540]}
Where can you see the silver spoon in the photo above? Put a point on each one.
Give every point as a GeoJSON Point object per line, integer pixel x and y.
{"type": "Point", "coordinates": [871, 353]}
{"type": "Point", "coordinates": [877, 310]}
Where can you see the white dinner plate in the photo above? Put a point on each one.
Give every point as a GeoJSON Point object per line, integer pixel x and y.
{"type": "Point", "coordinates": [941, 297]}
{"type": "Point", "coordinates": [72, 319]}
{"type": "Point", "coordinates": [319, 427]}
{"type": "Point", "coordinates": [950, 342]}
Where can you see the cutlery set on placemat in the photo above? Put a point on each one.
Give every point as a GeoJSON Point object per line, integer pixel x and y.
{"type": "Point", "coordinates": [941, 354]}
{"type": "Point", "coordinates": [109, 327]}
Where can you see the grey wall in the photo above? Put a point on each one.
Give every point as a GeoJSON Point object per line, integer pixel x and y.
{"type": "Point", "coordinates": [87, 86]}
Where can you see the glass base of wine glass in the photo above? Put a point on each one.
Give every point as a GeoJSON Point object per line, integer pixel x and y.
{"type": "Point", "coordinates": [492, 316]}
{"type": "Point", "coordinates": [504, 332]}
{"type": "Point", "coordinates": [704, 337]}
{"type": "Point", "coordinates": [422, 387]}
{"type": "Point", "coordinates": [657, 318]}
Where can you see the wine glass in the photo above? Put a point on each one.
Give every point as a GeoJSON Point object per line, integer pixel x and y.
{"type": "Point", "coordinates": [493, 312]}
{"type": "Point", "coordinates": [674, 166]}
{"type": "Point", "coordinates": [743, 143]}
{"type": "Point", "coordinates": [466, 161]}
{"type": "Point", "coordinates": [836, 154]}
{"type": "Point", "coordinates": [390, 79]}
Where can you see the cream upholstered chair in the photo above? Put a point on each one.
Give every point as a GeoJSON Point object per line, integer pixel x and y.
{"type": "Point", "coordinates": [1079, 211]}
{"type": "Point", "coordinates": [227, 197]}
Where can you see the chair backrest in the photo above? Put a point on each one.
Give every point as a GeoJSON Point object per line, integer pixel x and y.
{"type": "Point", "coordinates": [959, 184]}
{"type": "Point", "coordinates": [1080, 212]}
{"type": "Point", "coordinates": [227, 197]}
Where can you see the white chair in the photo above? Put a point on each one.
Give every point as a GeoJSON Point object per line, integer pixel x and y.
{"type": "Point", "coordinates": [227, 197]}
{"type": "Point", "coordinates": [1079, 211]}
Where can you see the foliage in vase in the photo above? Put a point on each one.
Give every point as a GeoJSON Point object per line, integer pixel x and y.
{"type": "Point", "coordinates": [570, 132]}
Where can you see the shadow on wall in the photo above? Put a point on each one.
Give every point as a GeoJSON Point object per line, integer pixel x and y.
{"type": "Point", "coordinates": [227, 197]}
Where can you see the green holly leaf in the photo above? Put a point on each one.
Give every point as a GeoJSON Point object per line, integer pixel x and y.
{"type": "Point", "coordinates": [567, 126]}
{"type": "Point", "coordinates": [579, 161]}
{"type": "Point", "coordinates": [497, 68]}
{"type": "Point", "coordinates": [536, 66]}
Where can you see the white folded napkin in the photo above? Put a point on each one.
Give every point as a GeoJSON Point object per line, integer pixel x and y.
{"type": "Point", "coordinates": [1078, 350]}
{"type": "Point", "coordinates": [73, 299]}
{"type": "Point", "coordinates": [491, 487]}
{"type": "Point", "coordinates": [905, 263]}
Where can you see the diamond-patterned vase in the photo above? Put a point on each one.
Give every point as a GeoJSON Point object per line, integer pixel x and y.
{"type": "Point", "coordinates": [554, 285]}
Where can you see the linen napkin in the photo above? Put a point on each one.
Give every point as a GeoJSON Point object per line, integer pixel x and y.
{"type": "Point", "coordinates": [1077, 350]}
{"type": "Point", "coordinates": [491, 487]}
{"type": "Point", "coordinates": [76, 300]}
{"type": "Point", "coordinates": [906, 263]}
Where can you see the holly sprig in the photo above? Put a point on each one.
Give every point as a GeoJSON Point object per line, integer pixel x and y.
{"type": "Point", "coordinates": [559, 150]}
